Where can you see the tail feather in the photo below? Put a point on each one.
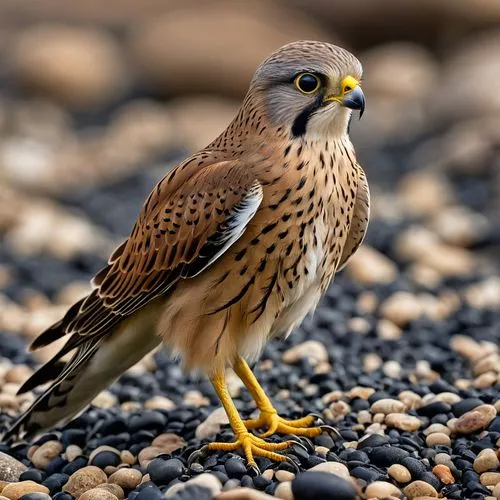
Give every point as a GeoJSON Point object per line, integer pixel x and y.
{"type": "Point", "coordinates": [47, 372]}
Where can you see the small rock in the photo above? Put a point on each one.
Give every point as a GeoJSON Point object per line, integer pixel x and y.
{"type": "Point", "coordinates": [486, 460]}
{"type": "Point", "coordinates": [437, 438]}
{"type": "Point", "coordinates": [284, 491]}
{"type": "Point", "coordinates": [104, 400]}
{"type": "Point", "coordinates": [475, 420]}
{"type": "Point", "coordinates": [403, 422]}
{"type": "Point", "coordinates": [368, 266]}
{"type": "Point", "coordinates": [311, 349]}
{"type": "Point", "coordinates": [114, 489]}
{"type": "Point", "coordinates": [14, 491]}
{"type": "Point", "coordinates": [284, 475]}
{"type": "Point", "coordinates": [314, 485]}
{"type": "Point", "coordinates": [382, 489]}
{"type": "Point", "coordinates": [18, 374]}
{"type": "Point", "coordinates": [98, 494]}
{"type": "Point", "coordinates": [387, 405]}
{"type": "Point", "coordinates": [127, 478]}
{"type": "Point", "coordinates": [72, 452]}
{"type": "Point", "coordinates": [399, 473]}
{"type": "Point", "coordinates": [411, 399]}
{"type": "Point", "coordinates": [490, 478]}
{"type": "Point", "coordinates": [212, 424]}
{"type": "Point", "coordinates": [164, 443]}
{"type": "Point", "coordinates": [163, 471]}
{"type": "Point", "coordinates": [387, 330]}
{"type": "Point", "coordinates": [127, 457]}
{"type": "Point", "coordinates": [401, 308]}
{"type": "Point", "coordinates": [333, 468]}
{"type": "Point", "coordinates": [10, 468]}
{"type": "Point", "coordinates": [443, 473]}
{"type": "Point", "coordinates": [244, 494]}
{"type": "Point", "coordinates": [437, 428]}
{"type": "Point", "coordinates": [84, 479]}
{"type": "Point", "coordinates": [496, 491]}
{"type": "Point", "coordinates": [420, 489]}
{"type": "Point", "coordinates": [205, 480]}
{"type": "Point", "coordinates": [45, 453]}
{"type": "Point", "coordinates": [159, 403]}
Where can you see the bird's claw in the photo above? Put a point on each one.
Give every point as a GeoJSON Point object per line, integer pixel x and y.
{"type": "Point", "coordinates": [330, 430]}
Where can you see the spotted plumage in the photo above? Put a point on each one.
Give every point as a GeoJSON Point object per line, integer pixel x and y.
{"type": "Point", "coordinates": [235, 245]}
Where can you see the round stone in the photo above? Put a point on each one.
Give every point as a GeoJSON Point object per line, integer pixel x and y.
{"type": "Point", "coordinates": [98, 494]}
{"type": "Point", "coordinates": [84, 479]}
{"type": "Point", "coordinates": [10, 468]}
{"type": "Point", "coordinates": [399, 473]}
{"type": "Point", "coordinates": [126, 477]}
{"type": "Point", "coordinates": [235, 468]}
{"type": "Point", "coordinates": [438, 438]}
{"type": "Point", "coordinates": [45, 453]}
{"type": "Point", "coordinates": [443, 473]}
{"type": "Point", "coordinates": [487, 460]}
{"type": "Point", "coordinates": [314, 485]}
{"type": "Point", "coordinates": [420, 489]}
{"type": "Point", "coordinates": [403, 422]}
{"type": "Point", "coordinates": [382, 489]}
{"type": "Point", "coordinates": [162, 472]}
{"type": "Point", "coordinates": [475, 420]}
{"type": "Point", "coordinates": [14, 491]}
{"type": "Point", "coordinates": [387, 406]}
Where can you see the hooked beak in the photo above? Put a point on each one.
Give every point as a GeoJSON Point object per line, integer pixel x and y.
{"type": "Point", "coordinates": [351, 95]}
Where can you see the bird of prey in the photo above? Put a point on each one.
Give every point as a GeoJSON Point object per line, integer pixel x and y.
{"type": "Point", "coordinates": [234, 246]}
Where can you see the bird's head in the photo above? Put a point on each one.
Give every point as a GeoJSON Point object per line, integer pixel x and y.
{"type": "Point", "coordinates": [309, 89]}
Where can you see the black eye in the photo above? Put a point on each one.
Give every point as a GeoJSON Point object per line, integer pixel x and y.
{"type": "Point", "coordinates": [307, 83]}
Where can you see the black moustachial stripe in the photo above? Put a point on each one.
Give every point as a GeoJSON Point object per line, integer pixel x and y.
{"type": "Point", "coordinates": [300, 124]}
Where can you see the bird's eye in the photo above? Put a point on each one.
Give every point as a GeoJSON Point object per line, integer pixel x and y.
{"type": "Point", "coordinates": [307, 83]}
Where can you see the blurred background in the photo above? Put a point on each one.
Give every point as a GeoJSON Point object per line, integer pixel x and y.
{"type": "Point", "coordinates": [99, 98]}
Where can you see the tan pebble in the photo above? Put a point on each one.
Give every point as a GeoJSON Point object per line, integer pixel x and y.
{"type": "Point", "coordinates": [18, 374]}
{"type": "Point", "coordinates": [332, 396]}
{"type": "Point", "coordinates": [378, 418]}
{"type": "Point", "coordinates": [448, 397]}
{"type": "Point", "coordinates": [387, 406]}
{"type": "Point", "coordinates": [485, 380]}
{"type": "Point", "coordinates": [31, 451]}
{"type": "Point", "coordinates": [284, 491]}
{"type": "Point", "coordinates": [145, 478]}
{"type": "Point", "coordinates": [126, 478]}
{"type": "Point", "coordinates": [360, 392]}
{"type": "Point", "coordinates": [14, 491]}
{"type": "Point", "coordinates": [10, 468]}
{"type": "Point", "coordinates": [487, 363]}
{"type": "Point", "coordinates": [148, 454]}
{"type": "Point", "coordinates": [104, 400]}
{"type": "Point", "coordinates": [419, 489]}
{"type": "Point", "coordinates": [84, 479]}
{"type": "Point", "coordinates": [475, 420]}
{"type": "Point", "coordinates": [130, 406]}
{"type": "Point", "coordinates": [466, 347]}
{"type": "Point", "coordinates": [127, 458]}
{"type": "Point", "coordinates": [401, 308]}
{"type": "Point", "coordinates": [452, 424]}
{"type": "Point", "coordinates": [110, 469]}
{"type": "Point", "coordinates": [333, 468]}
{"type": "Point", "coordinates": [443, 458]}
{"type": "Point", "coordinates": [284, 475]}
{"type": "Point", "coordinates": [358, 325]}
{"type": "Point", "coordinates": [45, 453]}
{"type": "Point", "coordinates": [387, 330]}
{"type": "Point", "coordinates": [364, 417]}
{"type": "Point", "coordinates": [392, 369]}
{"type": "Point", "coordinates": [212, 424]}
{"type": "Point", "coordinates": [403, 422]}
{"type": "Point", "coordinates": [268, 474]}
{"type": "Point", "coordinates": [367, 303]}
{"type": "Point", "coordinates": [206, 480]}
{"type": "Point", "coordinates": [195, 398]}
{"type": "Point", "coordinates": [114, 489]}
{"type": "Point", "coordinates": [339, 409]}
{"type": "Point", "coordinates": [497, 405]}
{"type": "Point", "coordinates": [437, 428]}
{"type": "Point", "coordinates": [159, 403]}
{"type": "Point", "coordinates": [72, 452]}
{"type": "Point", "coordinates": [98, 494]}
{"type": "Point", "coordinates": [382, 489]}
{"type": "Point", "coordinates": [313, 350]}
{"type": "Point", "coordinates": [490, 478]}
{"type": "Point", "coordinates": [371, 362]}
{"type": "Point", "coordinates": [99, 449]}
{"type": "Point", "coordinates": [411, 399]}
{"type": "Point", "coordinates": [321, 451]}
{"type": "Point", "coordinates": [399, 473]}
{"type": "Point", "coordinates": [486, 460]}
{"type": "Point", "coordinates": [443, 473]}
{"type": "Point", "coordinates": [437, 438]}
{"type": "Point", "coordinates": [368, 266]}
{"type": "Point", "coordinates": [496, 491]}
{"type": "Point", "coordinates": [463, 383]}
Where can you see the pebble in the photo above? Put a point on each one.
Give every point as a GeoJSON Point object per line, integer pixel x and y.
{"type": "Point", "coordinates": [496, 491]}
{"type": "Point", "coordinates": [14, 491]}
{"type": "Point", "coordinates": [387, 406]}
{"type": "Point", "coordinates": [438, 439]}
{"type": "Point", "coordinates": [10, 468]}
{"type": "Point", "coordinates": [243, 494]}
{"type": "Point", "coordinates": [98, 494]}
{"type": "Point", "coordinates": [401, 308]}
{"type": "Point", "coordinates": [205, 480]}
{"type": "Point", "coordinates": [45, 453]}
{"type": "Point", "coordinates": [313, 350]}
{"type": "Point", "coordinates": [443, 473]}
{"type": "Point", "coordinates": [284, 475]}
{"type": "Point", "coordinates": [127, 478]}
{"type": "Point", "coordinates": [382, 489]}
{"type": "Point", "coordinates": [212, 424]}
{"type": "Point", "coordinates": [490, 478]}
{"type": "Point", "coordinates": [162, 471]}
{"type": "Point", "coordinates": [403, 422]}
{"type": "Point", "coordinates": [84, 479]}
{"type": "Point", "coordinates": [475, 420]}
{"type": "Point", "coordinates": [399, 473]}
{"type": "Point", "coordinates": [333, 468]}
{"type": "Point", "coordinates": [284, 491]}
{"type": "Point", "coordinates": [486, 460]}
{"type": "Point", "coordinates": [369, 267]}
{"type": "Point", "coordinates": [314, 485]}
{"type": "Point", "coordinates": [418, 489]}
{"type": "Point", "coordinates": [114, 489]}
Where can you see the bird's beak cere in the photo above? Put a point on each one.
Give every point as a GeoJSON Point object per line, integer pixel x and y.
{"type": "Point", "coordinates": [351, 96]}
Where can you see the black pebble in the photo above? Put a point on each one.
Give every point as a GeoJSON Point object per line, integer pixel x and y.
{"type": "Point", "coordinates": [318, 485]}
{"type": "Point", "coordinates": [387, 455]}
{"type": "Point", "coordinates": [163, 471]}
{"type": "Point", "coordinates": [261, 482]}
{"type": "Point", "coordinates": [464, 406]}
{"type": "Point", "coordinates": [433, 409]}
{"type": "Point", "coordinates": [55, 482]}
{"type": "Point", "coordinates": [494, 425]}
{"type": "Point", "coordinates": [105, 458]}
{"type": "Point", "coordinates": [372, 441]}
{"type": "Point", "coordinates": [32, 475]}
{"type": "Point", "coordinates": [76, 464]}
{"type": "Point", "coordinates": [147, 420]}
{"type": "Point", "coordinates": [193, 492]}
{"type": "Point", "coordinates": [235, 468]}
{"type": "Point", "coordinates": [34, 496]}
{"type": "Point", "coordinates": [415, 466]}
{"type": "Point", "coordinates": [365, 473]}
{"type": "Point", "coordinates": [62, 495]}
{"type": "Point", "coordinates": [430, 478]}
{"type": "Point", "coordinates": [149, 493]}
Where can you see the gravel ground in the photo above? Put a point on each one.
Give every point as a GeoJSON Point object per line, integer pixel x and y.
{"type": "Point", "coordinates": [402, 357]}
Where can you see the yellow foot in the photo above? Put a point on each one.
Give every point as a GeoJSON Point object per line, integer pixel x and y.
{"type": "Point", "coordinates": [280, 425]}
{"type": "Point", "coordinates": [251, 445]}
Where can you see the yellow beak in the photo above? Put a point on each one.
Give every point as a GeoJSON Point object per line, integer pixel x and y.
{"type": "Point", "coordinates": [351, 96]}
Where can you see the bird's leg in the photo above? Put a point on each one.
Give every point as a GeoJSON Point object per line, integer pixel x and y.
{"type": "Point", "coordinates": [269, 417]}
{"type": "Point", "coordinates": [252, 445]}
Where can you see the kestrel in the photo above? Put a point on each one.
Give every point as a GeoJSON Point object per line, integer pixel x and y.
{"type": "Point", "coordinates": [234, 246]}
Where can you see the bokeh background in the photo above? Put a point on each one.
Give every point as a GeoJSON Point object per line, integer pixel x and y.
{"type": "Point", "coordinates": [99, 98]}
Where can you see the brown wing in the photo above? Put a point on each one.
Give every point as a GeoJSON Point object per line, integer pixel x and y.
{"type": "Point", "coordinates": [359, 223]}
{"type": "Point", "coordinates": [192, 216]}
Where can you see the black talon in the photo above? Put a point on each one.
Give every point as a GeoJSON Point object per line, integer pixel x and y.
{"type": "Point", "coordinates": [254, 470]}
{"type": "Point", "coordinates": [197, 454]}
{"type": "Point", "coordinates": [318, 417]}
{"type": "Point", "coordinates": [330, 430]}
{"type": "Point", "coordinates": [298, 443]}
{"type": "Point", "coordinates": [293, 462]}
